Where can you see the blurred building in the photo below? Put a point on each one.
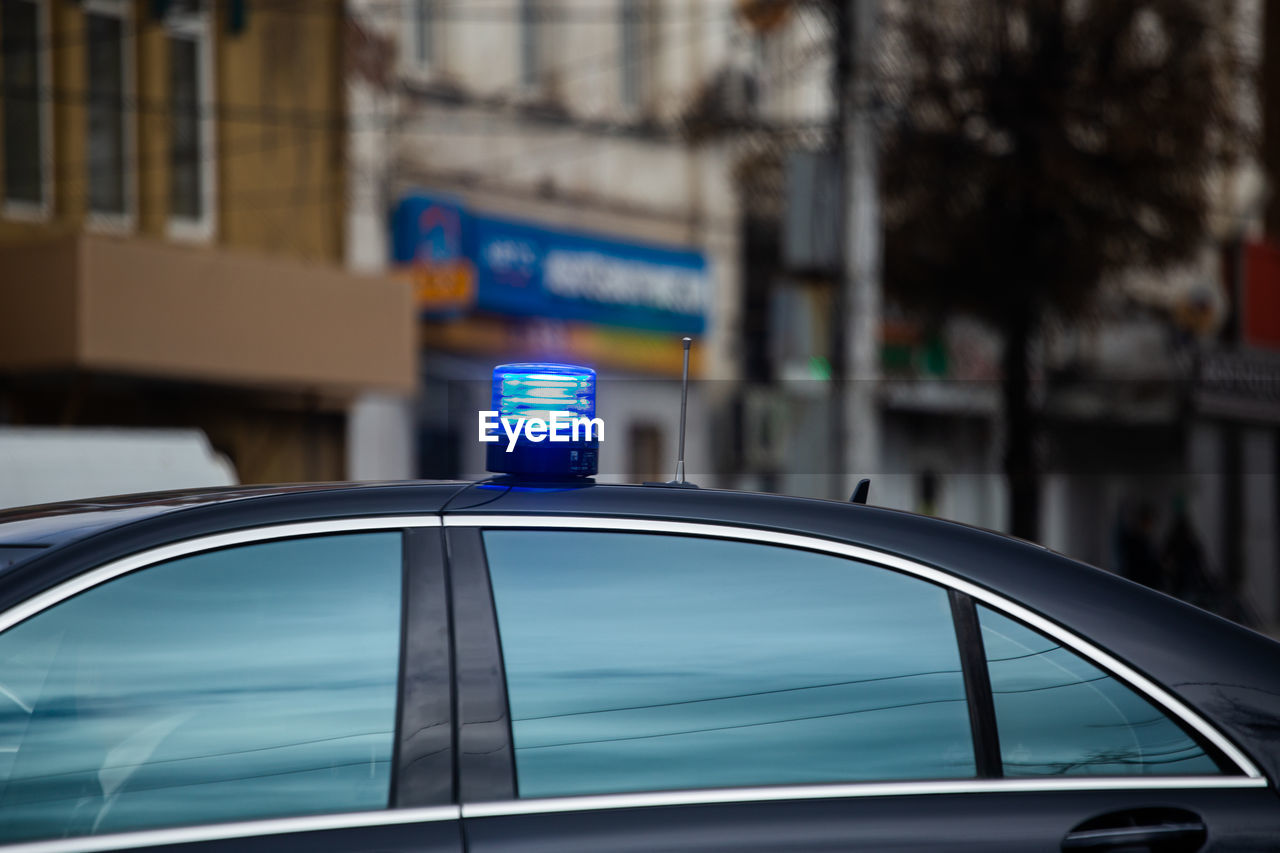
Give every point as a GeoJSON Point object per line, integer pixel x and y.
{"type": "Point", "coordinates": [938, 403]}
{"type": "Point", "coordinates": [1160, 413]}
{"type": "Point", "coordinates": [528, 166]}
{"type": "Point", "coordinates": [172, 216]}
{"type": "Point", "coordinates": [1163, 413]}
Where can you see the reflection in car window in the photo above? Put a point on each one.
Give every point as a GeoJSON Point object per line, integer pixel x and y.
{"type": "Point", "coordinates": [646, 662]}
{"type": "Point", "coordinates": [1058, 715]}
{"type": "Point", "coordinates": [251, 682]}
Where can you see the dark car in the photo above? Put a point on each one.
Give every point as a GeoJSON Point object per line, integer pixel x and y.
{"type": "Point", "coordinates": [578, 667]}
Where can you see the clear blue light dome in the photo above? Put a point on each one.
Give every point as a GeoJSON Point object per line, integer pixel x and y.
{"type": "Point", "coordinates": [539, 391]}
{"type": "Point", "coordinates": [536, 390]}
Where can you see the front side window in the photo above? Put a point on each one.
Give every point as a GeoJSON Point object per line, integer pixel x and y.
{"type": "Point", "coordinates": [106, 29]}
{"type": "Point", "coordinates": [190, 123]}
{"type": "Point", "coordinates": [1058, 715]}
{"type": "Point", "coordinates": [25, 110]}
{"type": "Point", "coordinates": [251, 682]}
{"type": "Point", "coordinates": [647, 662]}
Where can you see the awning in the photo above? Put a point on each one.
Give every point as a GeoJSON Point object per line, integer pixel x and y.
{"type": "Point", "coordinates": [514, 339]}
{"type": "Point", "coordinates": [142, 307]}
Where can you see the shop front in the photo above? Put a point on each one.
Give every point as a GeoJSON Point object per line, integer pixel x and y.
{"type": "Point", "coordinates": [493, 288]}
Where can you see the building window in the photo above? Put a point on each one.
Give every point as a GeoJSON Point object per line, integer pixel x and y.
{"type": "Point", "coordinates": [109, 85]}
{"type": "Point", "coordinates": [191, 132]}
{"type": "Point", "coordinates": [422, 33]}
{"type": "Point", "coordinates": [636, 52]}
{"type": "Point", "coordinates": [530, 44]}
{"type": "Point", "coordinates": [24, 26]}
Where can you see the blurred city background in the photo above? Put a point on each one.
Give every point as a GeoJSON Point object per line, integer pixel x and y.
{"type": "Point", "coordinates": [1014, 260]}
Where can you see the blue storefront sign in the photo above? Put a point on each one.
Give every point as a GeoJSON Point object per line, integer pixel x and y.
{"type": "Point", "coordinates": [530, 270]}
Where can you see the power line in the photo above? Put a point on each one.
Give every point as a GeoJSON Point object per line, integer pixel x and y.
{"type": "Point", "coordinates": [395, 8]}
{"type": "Point", "coordinates": [507, 160]}
{"type": "Point", "coordinates": [336, 120]}
{"type": "Point", "coordinates": [747, 725]}
{"type": "Point", "coordinates": [741, 695]}
{"type": "Point", "coordinates": [783, 689]}
{"type": "Point", "coordinates": [1142, 758]}
{"type": "Point", "coordinates": [592, 13]}
{"type": "Point", "coordinates": [339, 119]}
{"type": "Point", "coordinates": [80, 171]}
{"type": "Point", "coordinates": [78, 177]}
{"type": "Point", "coordinates": [203, 756]}
{"type": "Point", "coordinates": [10, 800]}
{"type": "Point", "coordinates": [502, 162]}
{"type": "Point", "coordinates": [795, 719]}
{"type": "Point", "coordinates": [1103, 677]}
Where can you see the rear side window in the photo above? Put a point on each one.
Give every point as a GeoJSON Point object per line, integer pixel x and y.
{"type": "Point", "coordinates": [1058, 715]}
{"type": "Point", "coordinates": [251, 682]}
{"type": "Point", "coordinates": [649, 662]}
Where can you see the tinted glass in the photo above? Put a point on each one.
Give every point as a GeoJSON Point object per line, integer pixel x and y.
{"type": "Point", "coordinates": [1059, 715]}
{"type": "Point", "coordinates": [644, 662]}
{"type": "Point", "coordinates": [251, 682]}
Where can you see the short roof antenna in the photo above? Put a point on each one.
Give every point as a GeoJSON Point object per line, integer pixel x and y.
{"type": "Point", "coordinates": [861, 491]}
{"type": "Point", "coordinates": [684, 402]}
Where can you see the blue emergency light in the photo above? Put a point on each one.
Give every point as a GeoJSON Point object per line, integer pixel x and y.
{"type": "Point", "coordinates": [560, 397]}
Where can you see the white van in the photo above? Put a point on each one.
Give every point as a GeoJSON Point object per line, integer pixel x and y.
{"type": "Point", "coordinates": [44, 464]}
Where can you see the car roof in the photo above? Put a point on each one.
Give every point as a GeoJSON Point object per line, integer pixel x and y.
{"type": "Point", "coordinates": [51, 524]}
{"type": "Point", "coordinates": [109, 527]}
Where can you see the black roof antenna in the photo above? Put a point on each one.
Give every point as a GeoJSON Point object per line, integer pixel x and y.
{"type": "Point", "coordinates": [860, 491]}
{"type": "Point", "coordinates": [686, 342]}
{"type": "Point", "coordinates": [680, 482]}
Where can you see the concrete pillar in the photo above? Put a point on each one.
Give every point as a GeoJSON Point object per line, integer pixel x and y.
{"type": "Point", "coordinates": [380, 438]}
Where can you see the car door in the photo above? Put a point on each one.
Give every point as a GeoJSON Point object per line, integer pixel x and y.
{"type": "Point", "coordinates": [640, 685]}
{"type": "Point", "coordinates": [278, 688]}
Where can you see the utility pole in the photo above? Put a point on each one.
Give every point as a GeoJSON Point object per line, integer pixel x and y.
{"type": "Point", "coordinates": [841, 75]}
{"type": "Point", "coordinates": [861, 290]}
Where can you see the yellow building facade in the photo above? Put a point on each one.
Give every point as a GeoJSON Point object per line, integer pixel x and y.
{"type": "Point", "coordinates": [172, 203]}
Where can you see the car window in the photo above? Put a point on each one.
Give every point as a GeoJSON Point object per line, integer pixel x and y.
{"type": "Point", "coordinates": [1057, 714]}
{"type": "Point", "coordinates": [647, 662]}
{"type": "Point", "coordinates": [250, 682]}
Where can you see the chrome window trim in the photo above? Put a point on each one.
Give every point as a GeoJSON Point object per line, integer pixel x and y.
{"type": "Point", "coordinates": [240, 829]}
{"type": "Point", "coordinates": [1109, 664]}
{"type": "Point", "coordinates": [599, 802]}
{"type": "Point", "coordinates": [80, 583]}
